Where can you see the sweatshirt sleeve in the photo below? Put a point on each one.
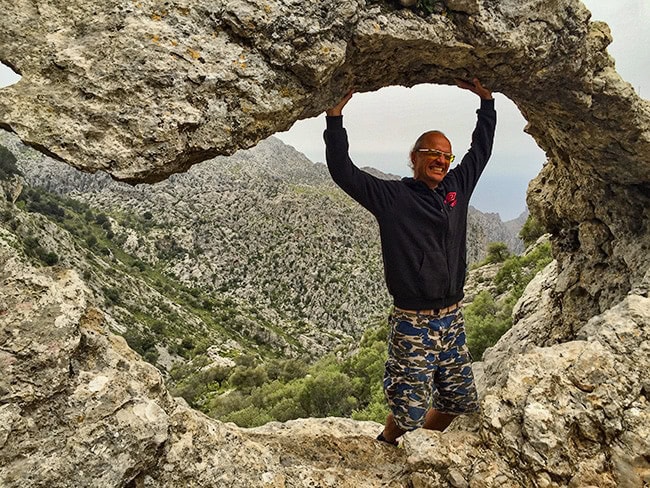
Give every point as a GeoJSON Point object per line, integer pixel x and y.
{"type": "Point", "coordinates": [474, 162]}
{"type": "Point", "coordinates": [375, 194]}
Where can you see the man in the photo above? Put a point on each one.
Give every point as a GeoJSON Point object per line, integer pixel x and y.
{"type": "Point", "coordinates": [422, 220]}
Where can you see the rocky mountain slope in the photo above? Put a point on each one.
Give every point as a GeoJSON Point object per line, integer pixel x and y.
{"type": "Point", "coordinates": [265, 228]}
{"type": "Point", "coordinates": [79, 408]}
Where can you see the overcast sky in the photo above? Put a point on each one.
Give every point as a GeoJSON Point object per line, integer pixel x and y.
{"type": "Point", "coordinates": [383, 125]}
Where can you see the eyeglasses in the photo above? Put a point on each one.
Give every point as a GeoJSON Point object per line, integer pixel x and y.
{"type": "Point", "coordinates": [434, 153]}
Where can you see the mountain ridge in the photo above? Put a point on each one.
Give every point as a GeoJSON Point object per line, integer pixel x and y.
{"type": "Point", "coordinates": [250, 230]}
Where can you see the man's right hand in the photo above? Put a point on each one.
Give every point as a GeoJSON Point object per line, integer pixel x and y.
{"type": "Point", "coordinates": [337, 109]}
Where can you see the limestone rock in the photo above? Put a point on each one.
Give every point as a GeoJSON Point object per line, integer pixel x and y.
{"type": "Point", "coordinates": [141, 91]}
{"type": "Point", "coordinates": [79, 408]}
{"type": "Point", "coordinates": [465, 6]}
{"type": "Point", "coordinates": [571, 410]}
{"type": "Point", "coordinates": [408, 3]}
{"type": "Point", "coordinates": [12, 187]}
{"type": "Point", "coordinates": [480, 279]}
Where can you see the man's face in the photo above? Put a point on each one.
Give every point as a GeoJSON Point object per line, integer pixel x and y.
{"type": "Point", "coordinates": [428, 167]}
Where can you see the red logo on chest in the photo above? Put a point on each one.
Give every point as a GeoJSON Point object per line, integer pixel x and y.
{"type": "Point", "coordinates": [450, 199]}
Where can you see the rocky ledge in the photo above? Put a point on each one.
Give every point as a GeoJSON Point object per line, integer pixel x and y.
{"type": "Point", "coordinates": [79, 408]}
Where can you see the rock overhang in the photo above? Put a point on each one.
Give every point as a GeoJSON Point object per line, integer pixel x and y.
{"type": "Point", "coordinates": [141, 90]}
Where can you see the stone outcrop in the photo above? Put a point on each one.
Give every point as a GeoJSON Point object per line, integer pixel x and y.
{"type": "Point", "coordinates": [12, 188]}
{"type": "Point", "coordinates": [142, 91]}
{"type": "Point", "coordinates": [79, 408]}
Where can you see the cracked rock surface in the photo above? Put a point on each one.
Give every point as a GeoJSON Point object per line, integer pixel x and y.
{"type": "Point", "coordinates": [142, 89]}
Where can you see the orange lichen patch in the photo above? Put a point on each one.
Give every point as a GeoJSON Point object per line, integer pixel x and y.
{"type": "Point", "coordinates": [159, 15]}
{"type": "Point", "coordinates": [174, 42]}
{"type": "Point", "coordinates": [241, 61]}
{"type": "Point", "coordinates": [285, 92]}
{"type": "Point", "coordinates": [155, 39]}
{"type": "Point", "coordinates": [183, 11]}
{"type": "Point", "coordinates": [267, 8]}
{"type": "Point", "coordinates": [194, 54]}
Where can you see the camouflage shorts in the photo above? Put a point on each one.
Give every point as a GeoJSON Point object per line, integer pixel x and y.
{"type": "Point", "coordinates": [428, 365]}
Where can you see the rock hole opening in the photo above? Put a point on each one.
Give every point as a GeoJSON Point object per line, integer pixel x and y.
{"type": "Point", "coordinates": [8, 76]}
{"type": "Point", "coordinates": [383, 125]}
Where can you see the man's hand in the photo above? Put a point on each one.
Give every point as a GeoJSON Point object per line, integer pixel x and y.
{"type": "Point", "coordinates": [337, 109]}
{"type": "Point", "coordinates": [476, 87]}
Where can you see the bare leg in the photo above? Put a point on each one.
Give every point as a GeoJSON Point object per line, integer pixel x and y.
{"type": "Point", "coordinates": [391, 430]}
{"type": "Point", "coordinates": [436, 420]}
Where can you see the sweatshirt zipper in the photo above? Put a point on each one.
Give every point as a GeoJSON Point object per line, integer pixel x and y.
{"type": "Point", "coordinates": [445, 212]}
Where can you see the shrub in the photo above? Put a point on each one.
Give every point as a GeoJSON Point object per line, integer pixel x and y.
{"type": "Point", "coordinates": [112, 295]}
{"type": "Point", "coordinates": [328, 394]}
{"type": "Point", "coordinates": [41, 203]}
{"type": "Point", "coordinates": [50, 258]}
{"type": "Point", "coordinates": [247, 378]}
{"type": "Point", "coordinates": [8, 166]}
{"type": "Point", "coordinates": [486, 320]}
{"type": "Point", "coordinates": [531, 231]}
{"type": "Point", "coordinates": [101, 219]}
{"type": "Point", "coordinates": [250, 416]}
{"type": "Point", "coordinates": [33, 248]}
{"type": "Point", "coordinates": [151, 356]}
{"type": "Point", "coordinates": [497, 252]}
{"type": "Point", "coordinates": [485, 323]}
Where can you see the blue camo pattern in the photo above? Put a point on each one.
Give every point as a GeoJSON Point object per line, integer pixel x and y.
{"type": "Point", "coordinates": [428, 365]}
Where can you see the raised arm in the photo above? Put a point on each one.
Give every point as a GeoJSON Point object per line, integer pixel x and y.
{"type": "Point", "coordinates": [474, 162]}
{"type": "Point", "coordinates": [374, 194]}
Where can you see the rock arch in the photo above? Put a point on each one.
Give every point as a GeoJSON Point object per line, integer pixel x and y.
{"type": "Point", "coordinates": [145, 89]}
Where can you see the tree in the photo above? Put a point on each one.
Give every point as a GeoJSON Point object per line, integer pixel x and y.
{"type": "Point", "coordinates": [247, 378]}
{"type": "Point", "coordinates": [531, 231]}
{"type": "Point", "coordinates": [328, 394]}
{"type": "Point", "coordinates": [497, 252]}
{"type": "Point", "coordinates": [7, 164]}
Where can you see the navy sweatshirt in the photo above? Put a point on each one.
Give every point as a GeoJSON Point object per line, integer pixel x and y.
{"type": "Point", "coordinates": [423, 231]}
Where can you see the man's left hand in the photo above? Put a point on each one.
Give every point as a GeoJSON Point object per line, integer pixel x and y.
{"type": "Point", "coordinates": [476, 87]}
